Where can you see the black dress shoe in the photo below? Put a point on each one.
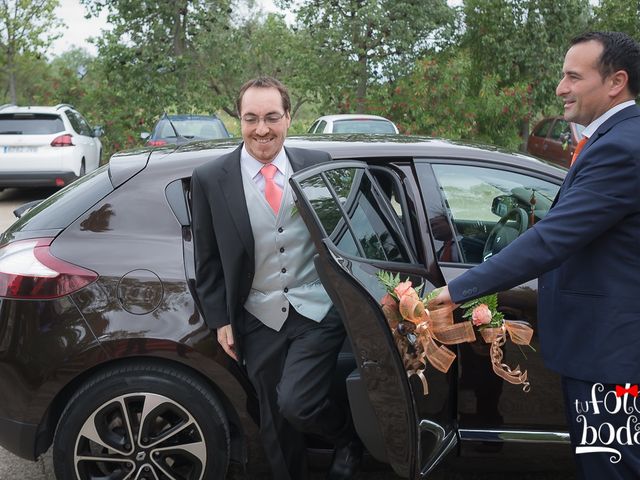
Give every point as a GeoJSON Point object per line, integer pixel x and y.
{"type": "Point", "coordinates": [346, 460]}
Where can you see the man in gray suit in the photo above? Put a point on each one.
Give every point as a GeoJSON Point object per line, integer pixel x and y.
{"type": "Point", "coordinates": [259, 289]}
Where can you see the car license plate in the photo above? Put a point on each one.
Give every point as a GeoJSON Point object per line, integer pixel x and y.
{"type": "Point", "coordinates": [18, 149]}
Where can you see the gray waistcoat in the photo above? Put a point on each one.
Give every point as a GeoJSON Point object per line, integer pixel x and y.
{"type": "Point", "coordinates": [284, 270]}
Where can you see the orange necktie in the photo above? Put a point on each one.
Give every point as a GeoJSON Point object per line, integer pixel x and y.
{"type": "Point", "coordinates": [272, 192]}
{"type": "Point", "coordinates": [578, 149]}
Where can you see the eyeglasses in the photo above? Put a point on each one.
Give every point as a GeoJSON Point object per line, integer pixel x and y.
{"type": "Point", "coordinates": [270, 119]}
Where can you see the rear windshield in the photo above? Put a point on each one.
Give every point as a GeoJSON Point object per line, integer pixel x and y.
{"type": "Point", "coordinates": [30, 124]}
{"type": "Point", "coordinates": [192, 128]}
{"type": "Point", "coordinates": [363, 126]}
{"type": "Point", "coordinates": [66, 205]}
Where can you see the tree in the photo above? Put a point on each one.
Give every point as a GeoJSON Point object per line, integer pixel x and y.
{"type": "Point", "coordinates": [261, 45]}
{"type": "Point", "coordinates": [618, 15]}
{"type": "Point", "coordinates": [146, 63]}
{"type": "Point", "coordinates": [25, 30]}
{"type": "Point", "coordinates": [437, 99]}
{"type": "Point", "coordinates": [152, 43]}
{"type": "Point", "coordinates": [522, 41]}
{"type": "Point", "coordinates": [372, 40]}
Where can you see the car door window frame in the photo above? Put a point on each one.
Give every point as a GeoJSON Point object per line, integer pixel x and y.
{"type": "Point", "coordinates": [398, 189]}
{"type": "Point", "coordinates": [390, 217]}
{"type": "Point", "coordinates": [544, 129]}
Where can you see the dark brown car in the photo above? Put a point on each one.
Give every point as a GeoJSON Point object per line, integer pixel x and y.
{"type": "Point", "coordinates": [103, 351]}
{"type": "Point", "coordinates": [554, 139]}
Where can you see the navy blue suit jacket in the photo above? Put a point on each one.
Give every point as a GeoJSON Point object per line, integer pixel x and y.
{"type": "Point", "coordinates": [586, 253]}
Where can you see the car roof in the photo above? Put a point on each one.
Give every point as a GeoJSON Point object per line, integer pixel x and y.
{"type": "Point", "coordinates": [352, 116]}
{"type": "Point", "coordinates": [34, 108]}
{"type": "Point", "coordinates": [191, 117]}
{"type": "Point", "coordinates": [553, 117]}
{"type": "Point", "coordinates": [183, 159]}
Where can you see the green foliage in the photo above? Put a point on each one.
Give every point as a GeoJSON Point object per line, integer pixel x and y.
{"type": "Point", "coordinates": [491, 301]}
{"type": "Point", "coordinates": [389, 281]}
{"type": "Point", "coordinates": [437, 99]}
{"type": "Point", "coordinates": [370, 41]}
{"type": "Point", "coordinates": [26, 30]}
{"type": "Point", "coordinates": [478, 72]}
{"type": "Point", "coordinates": [522, 43]}
{"type": "Point", "coordinates": [618, 15]}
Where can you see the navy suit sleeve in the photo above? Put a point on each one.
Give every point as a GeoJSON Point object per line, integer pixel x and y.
{"type": "Point", "coordinates": [210, 285]}
{"type": "Point", "coordinates": [603, 191]}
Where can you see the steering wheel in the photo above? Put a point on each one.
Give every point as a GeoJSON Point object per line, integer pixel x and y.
{"type": "Point", "coordinates": [502, 234]}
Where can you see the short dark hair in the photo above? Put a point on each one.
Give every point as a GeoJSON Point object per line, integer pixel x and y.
{"type": "Point", "coordinates": [265, 82]}
{"type": "Point", "coordinates": [620, 52]}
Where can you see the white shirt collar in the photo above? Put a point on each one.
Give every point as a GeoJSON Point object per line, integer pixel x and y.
{"type": "Point", "coordinates": [253, 166]}
{"type": "Point", "coordinates": [593, 126]}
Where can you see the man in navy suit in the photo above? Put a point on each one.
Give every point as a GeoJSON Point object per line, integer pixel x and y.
{"type": "Point", "coordinates": [586, 255]}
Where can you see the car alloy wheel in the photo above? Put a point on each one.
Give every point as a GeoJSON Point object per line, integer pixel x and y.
{"type": "Point", "coordinates": [142, 422]}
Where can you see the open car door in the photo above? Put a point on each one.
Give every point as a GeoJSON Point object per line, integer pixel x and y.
{"type": "Point", "coordinates": [358, 234]}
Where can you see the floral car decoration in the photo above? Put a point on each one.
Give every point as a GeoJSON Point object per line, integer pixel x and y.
{"type": "Point", "coordinates": [422, 330]}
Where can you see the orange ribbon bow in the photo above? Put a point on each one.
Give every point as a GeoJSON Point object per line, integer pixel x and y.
{"type": "Point", "coordinates": [620, 390]}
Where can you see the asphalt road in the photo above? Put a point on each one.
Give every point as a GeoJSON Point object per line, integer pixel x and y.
{"type": "Point", "coordinates": [14, 468]}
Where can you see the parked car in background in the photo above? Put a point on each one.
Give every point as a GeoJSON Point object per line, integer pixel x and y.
{"type": "Point", "coordinates": [46, 146]}
{"type": "Point", "coordinates": [105, 354]}
{"type": "Point", "coordinates": [353, 123]}
{"type": "Point", "coordinates": [554, 139]}
{"type": "Point", "coordinates": [179, 129]}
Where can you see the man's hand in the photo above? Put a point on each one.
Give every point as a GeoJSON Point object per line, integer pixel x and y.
{"type": "Point", "coordinates": [225, 339]}
{"type": "Point", "coordinates": [443, 299]}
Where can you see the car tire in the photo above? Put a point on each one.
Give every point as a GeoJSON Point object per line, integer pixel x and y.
{"type": "Point", "coordinates": [137, 420]}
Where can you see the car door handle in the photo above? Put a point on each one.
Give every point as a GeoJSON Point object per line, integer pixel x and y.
{"type": "Point", "coordinates": [371, 364]}
{"type": "Point", "coordinates": [366, 363]}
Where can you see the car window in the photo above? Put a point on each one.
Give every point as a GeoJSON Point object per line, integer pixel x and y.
{"type": "Point", "coordinates": [85, 128]}
{"type": "Point", "coordinates": [196, 128]}
{"type": "Point", "coordinates": [312, 128]}
{"type": "Point", "coordinates": [351, 210]}
{"type": "Point", "coordinates": [485, 209]}
{"type": "Point", "coordinates": [363, 126]}
{"type": "Point", "coordinates": [30, 124]}
{"type": "Point", "coordinates": [74, 121]}
{"type": "Point", "coordinates": [63, 207]}
{"type": "Point", "coordinates": [321, 126]}
{"type": "Point", "coordinates": [543, 129]}
{"type": "Point", "coordinates": [561, 130]}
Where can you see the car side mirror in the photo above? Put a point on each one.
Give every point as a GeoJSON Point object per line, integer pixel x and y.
{"type": "Point", "coordinates": [145, 135]}
{"type": "Point", "coordinates": [502, 204]}
{"type": "Point", "coordinates": [98, 131]}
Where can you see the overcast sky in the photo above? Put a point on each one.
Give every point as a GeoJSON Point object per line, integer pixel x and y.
{"type": "Point", "coordinates": [79, 29]}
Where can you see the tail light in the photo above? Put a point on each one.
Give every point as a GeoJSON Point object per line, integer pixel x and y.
{"type": "Point", "coordinates": [28, 270]}
{"type": "Point", "coordinates": [65, 140]}
{"type": "Point", "coordinates": [156, 143]}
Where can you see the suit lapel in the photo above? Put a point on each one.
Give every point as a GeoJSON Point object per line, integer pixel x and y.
{"type": "Point", "coordinates": [623, 114]}
{"type": "Point", "coordinates": [629, 112]}
{"type": "Point", "coordinates": [297, 161]}
{"type": "Point", "coordinates": [231, 186]}
{"type": "Point", "coordinates": [230, 183]}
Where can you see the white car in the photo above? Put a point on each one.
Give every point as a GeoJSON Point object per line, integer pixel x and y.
{"type": "Point", "coordinates": [46, 146]}
{"type": "Point", "coordinates": [353, 123]}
